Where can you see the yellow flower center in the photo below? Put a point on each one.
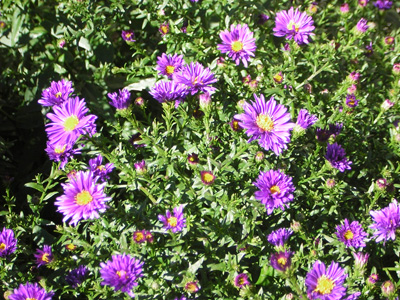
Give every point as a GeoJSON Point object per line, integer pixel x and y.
{"type": "Point", "coordinates": [207, 177]}
{"type": "Point", "coordinates": [235, 125]}
{"type": "Point", "coordinates": [164, 29]}
{"type": "Point", "coordinates": [30, 299]}
{"type": "Point", "coordinates": [122, 273]}
{"type": "Point", "coordinates": [293, 24]}
{"type": "Point", "coordinates": [2, 246]}
{"type": "Point", "coordinates": [71, 247]}
{"type": "Point", "coordinates": [191, 287]}
{"type": "Point", "coordinates": [172, 221]}
{"type": "Point", "coordinates": [237, 46]}
{"type": "Point", "coordinates": [170, 70]}
{"type": "Point", "coordinates": [282, 261]}
{"type": "Point", "coordinates": [275, 190]}
{"type": "Point", "coordinates": [324, 285]}
{"type": "Point", "coordinates": [348, 235]}
{"type": "Point", "coordinates": [83, 198]}
{"type": "Point", "coordinates": [278, 77]}
{"type": "Point", "coordinates": [313, 9]}
{"type": "Point", "coordinates": [195, 80]}
{"type": "Point", "coordinates": [101, 168]}
{"type": "Point", "coordinates": [139, 236]}
{"type": "Point", "coordinates": [60, 150]}
{"type": "Point", "coordinates": [264, 122]}
{"type": "Point", "coordinates": [70, 123]}
{"type": "Point", "coordinates": [128, 35]}
{"type": "Point", "coordinates": [45, 257]}
{"type": "Point", "coordinates": [241, 281]}
{"type": "Point", "coordinates": [58, 95]}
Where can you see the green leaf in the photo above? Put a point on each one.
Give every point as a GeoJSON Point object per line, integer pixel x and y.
{"type": "Point", "coordinates": [35, 186]}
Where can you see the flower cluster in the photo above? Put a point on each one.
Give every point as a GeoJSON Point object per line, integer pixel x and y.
{"type": "Point", "coordinates": [69, 121]}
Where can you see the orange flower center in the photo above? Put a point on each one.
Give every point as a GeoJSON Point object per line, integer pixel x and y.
{"type": "Point", "coordinates": [324, 285]}
{"type": "Point", "coordinates": [122, 273]}
{"type": "Point", "coordinates": [265, 123]}
{"type": "Point", "coordinates": [170, 70]}
{"type": "Point", "coordinates": [45, 257]}
{"type": "Point", "coordinates": [83, 198]}
{"type": "Point", "coordinates": [164, 29]}
{"type": "Point", "coordinates": [172, 221]}
{"type": "Point", "coordinates": [237, 46]}
{"type": "Point", "coordinates": [275, 190]}
{"type": "Point", "coordinates": [139, 236]}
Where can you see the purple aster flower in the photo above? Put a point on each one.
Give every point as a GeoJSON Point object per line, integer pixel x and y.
{"type": "Point", "coordinates": [122, 100]}
{"type": "Point", "coordinates": [305, 119]}
{"type": "Point", "coordinates": [193, 159]}
{"type": "Point", "coordinates": [235, 124]}
{"type": "Point", "coordinates": [362, 26]}
{"type": "Point", "coordinates": [268, 122]}
{"type": "Point", "coordinates": [239, 43]}
{"type": "Point", "coordinates": [294, 24]}
{"type": "Point", "coordinates": [192, 287]}
{"type": "Point", "coordinates": [169, 64]}
{"type": "Point", "coordinates": [383, 4]}
{"type": "Point", "coordinates": [388, 289]}
{"type": "Point", "coordinates": [69, 122]}
{"type": "Point", "coordinates": [386, 222]}
{"type": "Point", "coordinates": [354, 76]}
{"type": "Point", "coordinates": [140, 167]}
{"type": "Point", "coordinates": [282, 260]}
{"type": "Point", "coordinates": [196, 78]}
{"type": "Point", "coordinates": [275, 190]}
{"type": "Point", "coordinates": [336, 155]}
{"type": "Point", "coordinates": [30, 291]}
{"type": "Point", "coordinates": [58, 93]}
{"type": "Point", "coordinates": [335, 129]}
{"type": "Point", "coordinates": [128, 35]}
{"type": "Point", "coordinates": [351, 234]}
{"type": "Point", "coordinates": [175, 222]}
{"type": "Point", "coordinates": [8, 242]}
{"type": "Point", "coordinates": [61, 152]}
{"type": "Point", "coordinates": [360, 259]}
{"type": "Point", "coordinates": [164, 28]}
{"type": "Point", "coordinates": [207, 177]}
{"type": "Point", "coordinates": [369, 50]}
{"type": "Point", "coordinates": [325, 283]}
{"type": "Point", "coordinates": [351, 100]}
{"type": "Point", "coordinates": [372, 279]}
{"type": "Point", "coordinates": [241, 280]}
{"type": "Point", "coordinates": [279, 237]}
{"type": "Point", "coordinates": [99, 170]}
{"type": "Point", "coordinates": [44, 257]}
{"type": "Point", "coordinates": [76, 276]}
{"type": "Point", "coordinates": [166, 91]}
{"type": "Point", "coordinates": [122, 272]}
{"type": "Point", "coordinates": [83, 198]}
{"type": "Point", "coordinates": [139, 236]}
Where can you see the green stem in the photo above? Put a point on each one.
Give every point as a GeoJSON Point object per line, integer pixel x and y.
{"type": "Point", "coordinates": [146, 191]}
{"type": "Point", "coordinates": [312, 76]}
